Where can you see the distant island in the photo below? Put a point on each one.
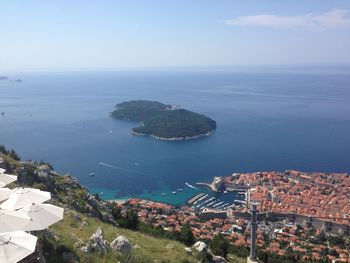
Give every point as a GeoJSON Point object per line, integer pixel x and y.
{"type": "Point", "coordinates": [6, 78]}
{"type": "Point", "coordinates": [166, 122]}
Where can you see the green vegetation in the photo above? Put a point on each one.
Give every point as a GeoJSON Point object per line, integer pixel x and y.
{"type": "Point", "coordinates": [164, 121]}
{"type": "Point", "coordinates": [11, 153]}
{"type": "Point", "coordinates": [84, 213]}
{"type": "Point", "coordinates": [69, 232]}
{"type": "Point", "coordinates": [220, 245]}
{"type": "Point", "coordinates": [131, 221]}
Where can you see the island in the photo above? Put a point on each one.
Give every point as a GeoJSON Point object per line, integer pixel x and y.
{"type": "Point", "coordinates": [165, 122]}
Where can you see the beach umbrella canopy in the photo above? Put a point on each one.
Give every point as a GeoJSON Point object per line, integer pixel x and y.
{"type": "Point", "coordinates": [15, 246]}
{"type": "Point", "coordinates": [6, 179]}
{"type": "Point", "coordinates": [21, 197]}
{"type": "Point", "coordinates": [13, 220]}
{"type": "Point", "coordinates": [4, 193]}
{"type": "Point", "coordinates": [42, 216]}
{"type": "Point", "coordinates": [2, 170]}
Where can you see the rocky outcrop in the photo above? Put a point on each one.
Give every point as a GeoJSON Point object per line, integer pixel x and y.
{"type": "Point", "coordinates": [121, 245]}
{"type": "Point", "coordinates": [188, 250]}
{"type": "Point", "coordinates": [218, 259]}
{"type": "Point", "coordinates": [97, 242]}
{"type": "Point", "coordinates": [200, 247]}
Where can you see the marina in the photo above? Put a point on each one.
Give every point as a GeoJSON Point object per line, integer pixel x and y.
{"type": "Point", "coordinates": [217, 201]}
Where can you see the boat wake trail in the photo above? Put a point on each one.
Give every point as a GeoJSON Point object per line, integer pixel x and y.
{"type": "Point", "coordinates": [118, 168]}
{"type": "Point", "coordinates": [191, 186]}
{"type": "Point", "coordinates": [109, 130]}
{"type": "Point", "coordinates": [110, 165]}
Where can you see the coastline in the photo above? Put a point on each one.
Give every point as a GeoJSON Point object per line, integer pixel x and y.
{"type": "Point", "coordinates": [174, 138]}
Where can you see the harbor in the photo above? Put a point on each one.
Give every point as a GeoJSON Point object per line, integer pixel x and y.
{"type": "Point", "coordinates": [218, 201]}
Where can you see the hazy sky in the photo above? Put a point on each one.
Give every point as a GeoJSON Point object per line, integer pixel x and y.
{"type": "Point", "coordinates": [87, 34]}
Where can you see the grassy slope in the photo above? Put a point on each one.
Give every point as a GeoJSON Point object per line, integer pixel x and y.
{"type": "Point", "coordinates": [151, 249]}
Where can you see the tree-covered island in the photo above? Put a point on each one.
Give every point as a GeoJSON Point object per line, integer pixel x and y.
{"type": "Point", "coordinates": [162, 121]}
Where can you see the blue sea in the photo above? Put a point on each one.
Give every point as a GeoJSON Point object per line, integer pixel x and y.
{"type": "Point", "coordinates": [269, 119]}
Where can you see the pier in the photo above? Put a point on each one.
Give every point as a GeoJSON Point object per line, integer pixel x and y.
{"type": "Point", "coordinates": [195, 198]}
{"type": "Point", "coordinates": [216, 185]}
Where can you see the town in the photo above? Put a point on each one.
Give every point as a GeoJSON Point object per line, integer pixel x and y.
{"type": "Point", "coordinates": [304, 214]}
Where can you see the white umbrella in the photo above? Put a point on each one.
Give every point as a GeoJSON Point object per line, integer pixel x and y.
{"type": "Point", "coordinates": [6, 179]}
{"type": "Point", "coordinates": [42, 216]}
{"type": "Point", "coordinates": [15, 246]}
{"type": "Point", "coordinates": [4, 193]}
{"type": "Point", "coordinates": [21, 197]}
{"type": "Point", "coordinates": [2, 170]}
{"type": "Point", "coordinates": [13, 220]}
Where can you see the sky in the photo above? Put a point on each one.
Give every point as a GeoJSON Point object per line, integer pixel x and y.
{"type": "Point", "coordinates": [113, 34]}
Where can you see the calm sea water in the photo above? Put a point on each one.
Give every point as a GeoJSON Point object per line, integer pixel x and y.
{"type": "Point", "coordinates": [278, 120]}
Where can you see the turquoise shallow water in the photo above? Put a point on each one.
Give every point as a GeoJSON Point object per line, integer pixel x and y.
{"type": "Point", "coordinates": [298, 119]}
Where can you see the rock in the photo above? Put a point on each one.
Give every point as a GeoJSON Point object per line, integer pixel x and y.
{"type": "Point", "coordinates": [218, 259]}
{"type": "Point", "coordinates": [84, 223]}
{"type": "Point", "coordinates": [201, 247]}
{"type": "Point", "coordinates": [122, 245]}
{"type": "Point", "coordinates": [169, 246]}
{"type": "Point", "coordinates": [136, 246]}
{"type": "Point", "coordinates": [75, 237]}
{"type": "Point", "coordinates": [85, 249]}
{"type": "Point", "coordinates": [188, 250]}
{"type": "Point", "coordinates": [93, 202]}
{"type": "Point", "coordinates": [97, 241]}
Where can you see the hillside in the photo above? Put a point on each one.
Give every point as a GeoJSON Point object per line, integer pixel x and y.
{"type": "Point", "coordinates": [164, 121]}
{"type": "Point", "coordinates": [69, 239]}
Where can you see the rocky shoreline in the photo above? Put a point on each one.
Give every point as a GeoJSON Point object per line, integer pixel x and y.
{"type": "Point", "coordinates": [174, 138]}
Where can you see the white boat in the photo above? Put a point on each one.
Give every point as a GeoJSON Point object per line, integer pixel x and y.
{"type": "Point", "coordinates": [216, 205]}
{"type": "Point", "coordinates": [211, 203]}
{"type": "Point", "coordinates": [191, 186]}
{"type": "Point", "coordinates": [163, 194]}
{"type": "Point", "coordinates": [92, 174]}
{"type": "Point", "coordinates": [180, 189]}
{"type": "Point", "coordinates": [203, 197]}
{"type": "Point", "coordinates": [174, 192]}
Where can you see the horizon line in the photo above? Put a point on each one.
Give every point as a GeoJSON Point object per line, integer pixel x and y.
{"type": "Point", "coordinates": [166, 68]}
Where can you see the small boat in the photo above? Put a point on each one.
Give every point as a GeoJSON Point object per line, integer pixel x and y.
{"type": "Point", "coordinates": [101, 193]}
{"type": "Point", "coordinates": [174, 192]}
{"type": "Point", "coordinates": [216, 205]}
{"type": "Point", "coordinates": [210, 204]}
{"type": "Point", "coordinates": [92, 174]}
{"type": "Point", "coordinates": [163, 194]}
{"type": "Point", "coordinates": [191, 186]}
{"type": "Point", "coordinates": [180, 189]}
{"type": "Point", "coordinates": [225, 192]}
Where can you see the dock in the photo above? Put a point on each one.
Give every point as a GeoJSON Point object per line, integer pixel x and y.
{"type": "Point", "coordinates": [195, 198]}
